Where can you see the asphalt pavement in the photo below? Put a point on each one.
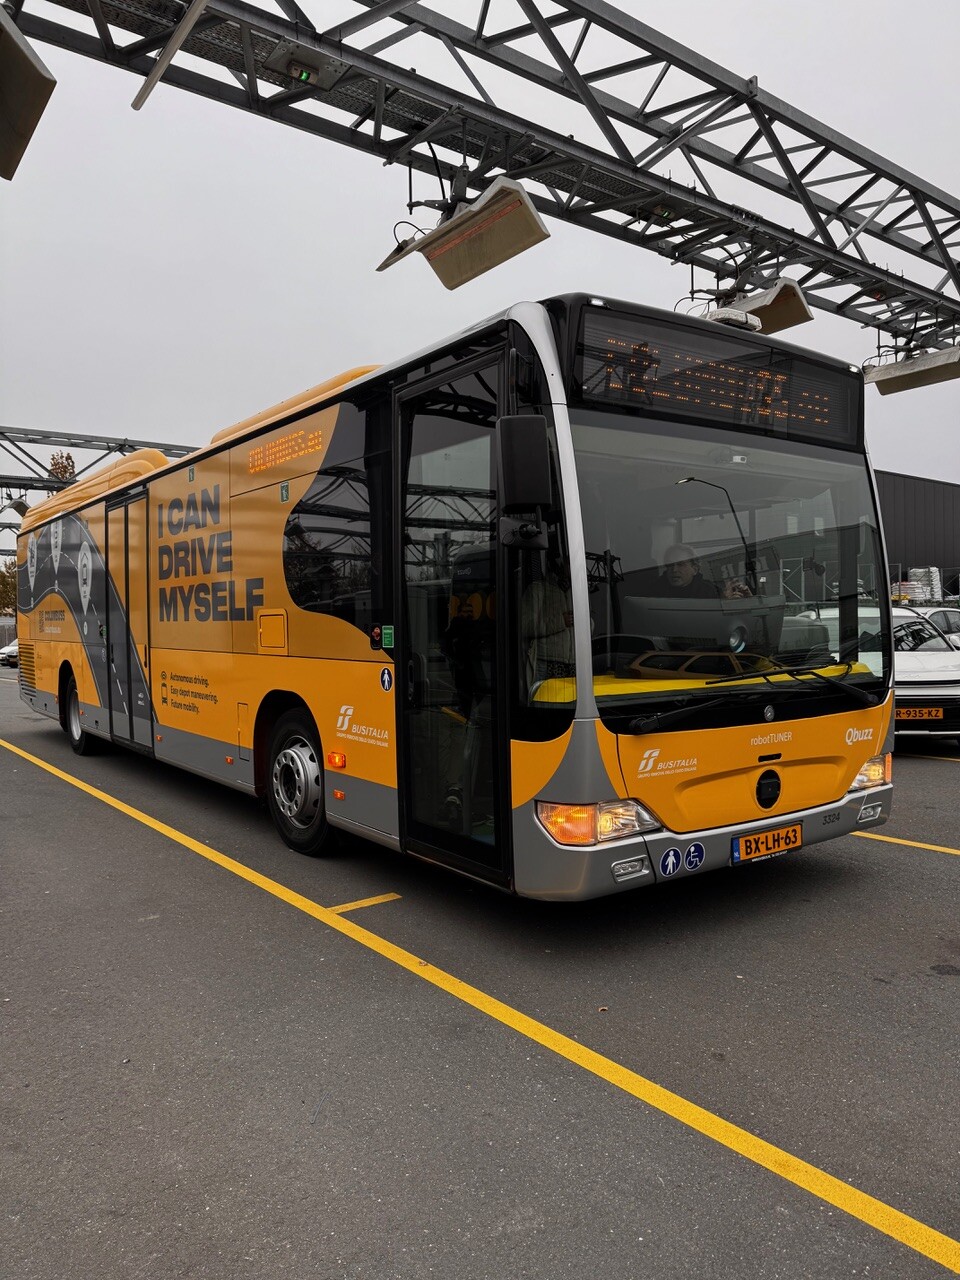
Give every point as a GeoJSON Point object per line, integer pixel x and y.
{"type": "Point", "coordinates": [221, 1059]}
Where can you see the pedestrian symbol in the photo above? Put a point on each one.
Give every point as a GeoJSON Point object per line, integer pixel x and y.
{"type": "Point", "coordinates": [670, 862]}
{"type": "Point", "coordinates": [386, 679]}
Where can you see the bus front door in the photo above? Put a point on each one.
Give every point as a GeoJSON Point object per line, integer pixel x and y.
{"type": "Point", "coordinates": [452, 775]}
{"type": "Point", "coordinates": [127, 621]}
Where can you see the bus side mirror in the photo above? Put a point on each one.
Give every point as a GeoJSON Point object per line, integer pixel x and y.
{"type": "Point", "coordinates": [524, 464]}
{"type": "Point", "coordinates": [525, 487]}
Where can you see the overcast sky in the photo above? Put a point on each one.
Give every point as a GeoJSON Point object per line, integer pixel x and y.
{"type": "Point", "coordinates": [164, 273]}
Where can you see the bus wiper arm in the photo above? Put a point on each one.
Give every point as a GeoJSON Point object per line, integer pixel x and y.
{"type": "Point", "coordinates": [839, 682]}
{"type": "Point", "coordinates": [649, 724]}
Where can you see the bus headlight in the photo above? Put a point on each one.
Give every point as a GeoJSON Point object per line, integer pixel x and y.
{"type": "Point", "coordinates": [873, 773]}
{"type": "Point", "coordinates": [592, 823]}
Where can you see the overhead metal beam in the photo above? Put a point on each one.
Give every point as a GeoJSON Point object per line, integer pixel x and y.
{"type": "Point", "coordinates": [860, 208]}
{"type": "Point", "coordinates": [80, 440]}
{"type": "Point", "coordinates": [170, 50]}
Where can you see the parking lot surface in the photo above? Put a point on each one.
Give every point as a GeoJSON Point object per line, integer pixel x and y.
{"type": "Point", "coordinates": [223, 1060]}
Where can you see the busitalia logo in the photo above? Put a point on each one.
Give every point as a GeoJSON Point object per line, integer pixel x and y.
{"type": "Point", "coordinates": [368, 733]}
{"type": "Point", "coordinates": [650, 763]}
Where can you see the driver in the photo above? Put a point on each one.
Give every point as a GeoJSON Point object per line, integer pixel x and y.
{"type": "Point", "coordinates": [681, 578]}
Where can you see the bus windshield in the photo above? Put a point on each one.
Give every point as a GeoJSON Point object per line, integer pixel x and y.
{"type": "Point", "coordinates": [706, 546]}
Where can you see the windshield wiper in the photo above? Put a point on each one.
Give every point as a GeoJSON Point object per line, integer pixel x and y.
{"type": "Point", "coordinates": [838, 682]}
{"type": "Point", "coordinates": [649, 724]}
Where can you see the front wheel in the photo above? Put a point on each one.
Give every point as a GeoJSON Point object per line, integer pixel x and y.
{"type": "Point", "coordinates": [83, 743]}
{"type": "Point", "coordinates": [295, 784]}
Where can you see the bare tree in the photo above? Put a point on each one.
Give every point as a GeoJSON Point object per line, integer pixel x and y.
{"type": "Point", "coordinates": [8, 586]}
{"type": "Point", "coordinates": [62, 466]}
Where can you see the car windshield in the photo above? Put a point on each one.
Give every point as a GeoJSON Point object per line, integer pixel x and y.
{"type": "Point", "coordinates": [710, 554]}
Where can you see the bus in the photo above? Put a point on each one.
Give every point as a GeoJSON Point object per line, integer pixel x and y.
{"type": "Point", "coordinates": [539, 604]}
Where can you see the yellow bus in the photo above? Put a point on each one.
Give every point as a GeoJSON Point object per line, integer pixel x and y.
{"type": "Point", "coordinates": [526, 604]}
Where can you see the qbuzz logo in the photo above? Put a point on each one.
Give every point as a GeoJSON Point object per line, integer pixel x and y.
{"type": "Point", "coordinates": [858, 735]}
{"type": "Point", "coordinates": [648, 761]}
{"type": "Point", "coordinates": [346, 714]}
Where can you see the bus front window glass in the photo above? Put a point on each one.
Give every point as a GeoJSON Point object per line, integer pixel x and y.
{"type": "Point", "coordinates": [716, 555]}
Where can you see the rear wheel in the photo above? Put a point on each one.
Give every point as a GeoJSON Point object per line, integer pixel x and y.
{"type": "Point", "coordinates": [295, 784]}
{"type": "Point", "coordinates": [81, 741]}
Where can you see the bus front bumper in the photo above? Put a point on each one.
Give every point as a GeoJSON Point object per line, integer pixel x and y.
{"type": "Point", "coordinates": [548, 870]}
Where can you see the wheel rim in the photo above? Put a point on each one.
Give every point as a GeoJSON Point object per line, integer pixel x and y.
{"type": "Point", "coordinates": [73, 715]}
{"type": "Point", "coordinates": [296, 781]}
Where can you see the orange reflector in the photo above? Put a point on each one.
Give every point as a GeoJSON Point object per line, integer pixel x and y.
{"type": "Point", "coordinates": [336, 760]}
{"type": "Point", "coordinates": [229, 759]}
{"type": "Point", "coordinates": [339, 795]}
{"type": "Point", "coordinates": [569, 823]}
{"type": "Point", "coordinates": [888, 767]}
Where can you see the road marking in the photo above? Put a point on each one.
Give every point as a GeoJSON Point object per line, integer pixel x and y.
{"type": "Point", "coordinates": [865, 1208]}
{"type": "Point", "coordinates": [365, 902]}
{"type": "Point", "coordinates": [913, 844]}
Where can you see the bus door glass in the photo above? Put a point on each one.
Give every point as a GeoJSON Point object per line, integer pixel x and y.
{"type": "Point", "coordinates": [127, 641]}
{"type": "Point", "coordinates": [447, 670]}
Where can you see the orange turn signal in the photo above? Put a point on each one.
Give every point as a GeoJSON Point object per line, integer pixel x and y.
{"type": "Point", "coordinates": [569, 823]}
{"type": "Point", "coordinates": [336, 760]}
{"type": "Point", "coordinates": [593, 823]}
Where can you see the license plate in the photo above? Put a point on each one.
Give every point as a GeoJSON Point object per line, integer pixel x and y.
{"type": "Point", "coordinates": [919, 713]}
{"type": "Point", "coordinates": [766, 844]}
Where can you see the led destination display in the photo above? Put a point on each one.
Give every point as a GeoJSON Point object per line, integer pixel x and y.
{"type": "Point", "coordinates": [727, 379]}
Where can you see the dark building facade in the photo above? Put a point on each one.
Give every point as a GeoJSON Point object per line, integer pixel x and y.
{"type": "Point", "coordinates": [921, 523]}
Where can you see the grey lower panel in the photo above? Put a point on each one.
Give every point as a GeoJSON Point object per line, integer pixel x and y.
{"type": "Point", "coordinates": [544, 869]}
{"type": "Point", "coordinates": [206, 757]}
{"type": "Point", "coordinates": [368, 808]}
{"type": "Point", "coordinates": [45, 703]}
{"type": "Point", "coordinates": [95, 719]}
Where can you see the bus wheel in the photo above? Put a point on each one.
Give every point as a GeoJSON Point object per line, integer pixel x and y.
{"type": "Point", "coordinates": [295, 784]}
{"type": "Point", "coordinates": [82, 743]}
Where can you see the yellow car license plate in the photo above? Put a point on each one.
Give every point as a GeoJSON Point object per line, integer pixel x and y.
{"type": "Point", "coordinates": [919, 713]}
{"type": "Point", "coordinates": [766, 844]}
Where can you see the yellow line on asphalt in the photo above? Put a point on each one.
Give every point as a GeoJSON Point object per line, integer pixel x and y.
{"type": "Point", "coordinates": [913, 844]}
{"type": "Point", "coordinates": [365, 902]}
{"type": "Point", "coordinates": [865, 1208]}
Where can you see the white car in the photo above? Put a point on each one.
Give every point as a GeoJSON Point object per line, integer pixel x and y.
{"type": "Point", "coordinates": [926, 668]}
{"type": "Point", "coordinates": [9, 655]}
{"type": "Point", "coordinates": [945, 618]}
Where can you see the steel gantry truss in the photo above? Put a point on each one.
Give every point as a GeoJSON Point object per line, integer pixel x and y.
{"type": "Point", "coordinates": [32, 474]}
{"type": "Point", "coordinates": [608, 123]}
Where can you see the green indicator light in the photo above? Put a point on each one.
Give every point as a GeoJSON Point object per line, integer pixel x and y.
{"type": "Point", "coordinates": [304, 77]}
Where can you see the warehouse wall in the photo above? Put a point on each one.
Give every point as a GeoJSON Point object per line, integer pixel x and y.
{"type": "Point", "coordinates": [921, 519]}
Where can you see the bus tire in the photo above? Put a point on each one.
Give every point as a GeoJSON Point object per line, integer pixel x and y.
{"type": "Point", "coordinates": [83, 743]}
{"type": "Point", "coordinates": [295, 784]}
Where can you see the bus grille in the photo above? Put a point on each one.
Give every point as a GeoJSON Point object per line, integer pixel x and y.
{"type": "Point", "coordinates": [28, 668]}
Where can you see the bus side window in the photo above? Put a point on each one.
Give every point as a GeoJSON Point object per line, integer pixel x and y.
{"type": "Point", "coordinates": [332, 539]}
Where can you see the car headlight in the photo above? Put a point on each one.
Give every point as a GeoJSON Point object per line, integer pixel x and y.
{"type": "Point", "coordinates": [873, 773]}
{"type": "Point", "coordinates": [592, 823]}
